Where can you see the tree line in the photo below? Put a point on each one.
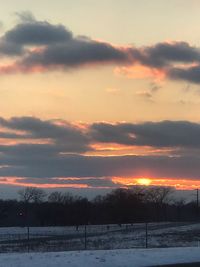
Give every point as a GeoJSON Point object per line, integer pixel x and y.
{"type": "Point", "coordinates": [138, 204]}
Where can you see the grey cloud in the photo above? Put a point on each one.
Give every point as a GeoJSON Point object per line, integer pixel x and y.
{"type": "Point", "coordinates": [191, 74]}
{"type": "Point", "coordinates": [156, 134]}
{"type": "Point", "coordinates": [109, 133]}
{"type": "Point", "coordinates": [60, 47]}
{"type": "Point", "coordinates": [80, 51]}
{"type": "Point", "coordinates": [63, 137]}
{"type": "Point", "coordinates": [32, 32]}
{"type": "Point", "coordinates": [10, 135]}
{"type": "Point", "coordinates": [9, 48]}
{"type": "Point", "coordinates": [25, 16]}
{"type": "Point", "coordinates": [89, 181]}
{"type": "Point", "coordinates": [118, 166]}
{"type": "Point", "coordinates": [75, 53]}
{"type": "Point", "coordinates": [40, 128]}
{"type": "Point", "coordinates": [37, 33]}
{"type": "Point", "coordinates": [163, 54]}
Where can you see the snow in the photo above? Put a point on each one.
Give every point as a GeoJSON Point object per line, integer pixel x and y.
{"type": "Point", "coordinates": [102, 258]}
{"type": "Point", "coordinates": [167, 234]}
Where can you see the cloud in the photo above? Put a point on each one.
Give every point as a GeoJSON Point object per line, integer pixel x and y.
{"type": "Point", "coordinates": [118, 166]}
{"type": "Point", "coordinates": [25, 16]}
{"type": "Point", "coordinates": [90, 182]}
{"type": "Point", "coordinates": [145, 95]}
{"type": "Point", "coordinates": [141, 62]}
{"type": "Point", "coordinates": [174, 60]}
{"type": "Point", "coordinates": [62, 136]}
{"type": "Point", "coordinates": [39, 46]}
{"type": "Point", "coordinates": [154, 87]}
{"type": "Point", "coordinates": [47, 149]}
{"type": "Point", "coordinates": [32, 32]}
{"type": "Point", "coordinates": [155, 134]}
{"type": "Point", "coordinates": [163, 54]}
{"type": "Point", "coordinates": [75, 53]}
{"type": "Point", "coordinates": [190, 74]}
{"type": "Point", "coordinates": [44, 45]}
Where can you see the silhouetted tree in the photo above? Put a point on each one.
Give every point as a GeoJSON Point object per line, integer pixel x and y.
{"type": "Point", "coordinates": [32, 194]}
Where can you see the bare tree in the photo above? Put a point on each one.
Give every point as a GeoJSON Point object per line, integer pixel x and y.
{"type": "Point", "coordinates": [56, 197]}
{"type": "Point", "coordinates": [179, 204]}
{"type": "Point", "coordinates": [31, 194]}
{"type": "Point", "coordinates": [158, 197]}
{"type": "Point", "coordinates": [59, 197]}
{"type": "Point", "coordinates": [158, 194]}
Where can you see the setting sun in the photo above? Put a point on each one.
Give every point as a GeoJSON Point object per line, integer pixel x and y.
{"type": "Point", "coordinates": [144, 181]}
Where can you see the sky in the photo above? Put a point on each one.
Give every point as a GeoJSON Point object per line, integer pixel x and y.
{"type": "Point", "coordinates": [97, 95]}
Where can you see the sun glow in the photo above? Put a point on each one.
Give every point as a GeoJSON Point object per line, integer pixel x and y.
{"type": "Point", "coordinates": [143, 181]}
{"type": "Point", "coordinates": [179, 184]}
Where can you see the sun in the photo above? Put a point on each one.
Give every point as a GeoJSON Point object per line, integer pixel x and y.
{"type": "Point", "coordinates": [144, 181]}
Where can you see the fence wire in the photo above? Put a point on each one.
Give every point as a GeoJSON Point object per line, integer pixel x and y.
{"type": "Point", "coordinates": [115, 236]}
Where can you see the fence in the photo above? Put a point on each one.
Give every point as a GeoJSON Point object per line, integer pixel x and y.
{"type": "Point", "coordinates": [140, 235]}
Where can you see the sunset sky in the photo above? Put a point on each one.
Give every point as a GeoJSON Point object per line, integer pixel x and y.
{"type": "Point", "coordinates": [97, 95]}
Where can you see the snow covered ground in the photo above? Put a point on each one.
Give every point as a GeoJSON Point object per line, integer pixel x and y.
{"type": "Point", "coordinates": [102, 258]}
{"type": "Point", "coordinates": [14, 239]}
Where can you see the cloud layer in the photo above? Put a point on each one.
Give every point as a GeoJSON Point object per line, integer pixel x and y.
{"type": "Point", "coordinates": [39, 46]}
{"type": "Point", "coordinates": [39, 149]}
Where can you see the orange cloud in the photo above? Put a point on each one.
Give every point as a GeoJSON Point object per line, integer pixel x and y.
{"type": "Point", "coordinates": [16, 181]}
{"type": "Point", "coordinates": [22, 182]}
{"type": "Point", "coordinates": [141, 72]}
{"type": "Point", "coordinates": [111, 149]}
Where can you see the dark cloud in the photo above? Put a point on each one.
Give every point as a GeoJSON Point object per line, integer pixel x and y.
{"type": "Point", "coordinates": [63, 137]}
{"type": "Point", "coordinates": [79, 51]}
{"type": "Point", "coordinates": [190, 74]}
{"type": "Point", "coordinates": [10, 49]}
{"type": "Point", "coordinates": [58, 45]}
{"type": "Point", "coordinates": [156, 134]}
{"type": "Point", "coordinates": [89, 181]}
{"type": "Point", "coordinates": [117, 166]}
{"type": "Point", "coordinates": [163, 54]}
{"type": "Point", "coordinates": [32, 33]}
{"type": "Point", "coordinates": [74, 53]}
{"type": "Point", "coordinates": [37, 33]}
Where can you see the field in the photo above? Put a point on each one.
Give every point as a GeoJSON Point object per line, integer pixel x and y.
{"type": "Point", "coordinates": [102, 258]}
{"type": "Point", "coordinates": [127, 236]}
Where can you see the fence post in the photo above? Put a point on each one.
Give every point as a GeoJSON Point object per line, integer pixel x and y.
{"type": "Point", "coordinates": [85, 237]}
{"type": "Point", "coordinates": [28, 237]}
{"type": "Point", "coordinates": [146, 235]}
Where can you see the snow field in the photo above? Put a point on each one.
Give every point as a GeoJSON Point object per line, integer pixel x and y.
{"type": "Point", "coordinates": [102, 258]}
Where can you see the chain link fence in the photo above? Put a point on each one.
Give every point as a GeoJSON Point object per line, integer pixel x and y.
{"type": "Point", "coordinates": [140, 235]}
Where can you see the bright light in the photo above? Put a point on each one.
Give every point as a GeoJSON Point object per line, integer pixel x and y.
{"type": "Point", "coordinates": [144, 181]}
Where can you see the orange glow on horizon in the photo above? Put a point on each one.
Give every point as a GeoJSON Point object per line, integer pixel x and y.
{"type": "Point", "coordinates": [179, 184]}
